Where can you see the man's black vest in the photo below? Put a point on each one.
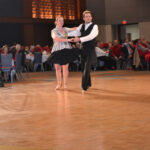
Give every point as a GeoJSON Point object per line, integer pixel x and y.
{"type": "Point", "coordinates": [88, 44]}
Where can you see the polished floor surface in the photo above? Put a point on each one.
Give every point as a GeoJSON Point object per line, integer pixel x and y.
{"type": "Point", "coordinates": [112, 115]}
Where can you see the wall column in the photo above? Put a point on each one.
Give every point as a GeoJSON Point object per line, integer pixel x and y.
{"type": "Point", "coordinates": [28, 29]}
{"type": "Point", "coordinates": [145, 30]}
{"type": "Point", "coordinates": [28, 32]}
{"type": "Point", "coordinates": [105, 33]}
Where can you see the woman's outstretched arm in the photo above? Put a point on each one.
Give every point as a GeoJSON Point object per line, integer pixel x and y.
{"type": "Point", "coordinates": [58, 39]}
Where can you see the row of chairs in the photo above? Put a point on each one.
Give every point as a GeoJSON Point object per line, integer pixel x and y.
{"type": "Point", "coordinates": [38, 61]}
{"type": "Point", "coordinates": [11, 69]}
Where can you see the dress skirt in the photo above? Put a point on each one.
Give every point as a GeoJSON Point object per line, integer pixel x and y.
{"type": "Point", "coordinates": [64, 56]}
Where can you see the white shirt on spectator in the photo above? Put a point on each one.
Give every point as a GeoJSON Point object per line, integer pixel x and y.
{"type": "Point", "coordinates": [100, 52]}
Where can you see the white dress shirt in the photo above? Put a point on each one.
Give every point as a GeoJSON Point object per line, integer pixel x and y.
{"type": "Point", "coordinates": [89, 37]}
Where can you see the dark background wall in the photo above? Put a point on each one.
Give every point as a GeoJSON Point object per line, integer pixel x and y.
{"type": "Point", "coordinates": [11, 33]}
{"type": "Point", "coordinates": [42, 32]}
{"type": "Point", "coordinates": [133, 11]}
{"type": "Point", "coordinates": [11, 8]}
{"type": "Point", "coordinates": [115, 11]}
{"type": "Point", "coordinates": [98, 9]}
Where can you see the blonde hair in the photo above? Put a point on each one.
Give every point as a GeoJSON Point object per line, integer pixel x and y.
{"type": "Point", "coordinates": [57, 18]}
{"type": "Point", "coordinates": [86, 12]}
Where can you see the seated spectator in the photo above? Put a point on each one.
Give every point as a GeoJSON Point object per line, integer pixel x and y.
{"type": "Point", "coordinates": [143, 48]}
{"type": "Point", "coordinates": [100, 52]}
{"type": "Point", "coordinates": [38, 48]}
{"type": "Point", "coordinates": [127, 52]}
{"type": "Point", "coordinates": [101, 44]}
{"type": "Point", "coordinates": [103, 55]}
{"type": "Point", "coordinates": [143, 40]}
{"type": "Point", "coordinates": [27, 50]}
{"type": "Point", "coordinates": [32, 49]}
{"type": "Point", "coordinates": [5, 50]}
{"type": "Point", "coordinates": [18, 49]}
{"type": "Point", "coordinates": [117, 54]}
{"type": "Point", "coordinates": [132, 45]}
{"type": "Point", "coordinates": [47, 49]}
{"type": "Point", "coordinates": [109, 49]}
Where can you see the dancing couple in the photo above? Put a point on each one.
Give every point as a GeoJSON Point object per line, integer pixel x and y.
{"type": "Point", "coordinates": [63, 53]}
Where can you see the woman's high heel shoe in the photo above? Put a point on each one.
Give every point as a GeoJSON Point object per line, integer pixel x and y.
{"type": "Point", "coordinates": [58, 87]}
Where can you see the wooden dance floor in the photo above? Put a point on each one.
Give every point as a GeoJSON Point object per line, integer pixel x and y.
{"type": "Point", "coordinates": [113, 115]}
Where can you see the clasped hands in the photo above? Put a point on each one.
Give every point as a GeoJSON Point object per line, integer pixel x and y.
{"type": "Point", "coordinates": [75, 39]}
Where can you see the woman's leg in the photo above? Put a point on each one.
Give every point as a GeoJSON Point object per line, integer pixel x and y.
{"type": "Point", "coordinates": [65, 75]}
{"type": "Point", "coordinates": [58, 76]}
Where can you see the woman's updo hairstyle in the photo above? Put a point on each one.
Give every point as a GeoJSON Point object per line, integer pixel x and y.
{"type": "Point", "coordinates": [57, 18]}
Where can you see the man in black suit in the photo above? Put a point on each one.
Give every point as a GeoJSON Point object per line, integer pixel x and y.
{"type": "Point", "coordinates": [88, 33]}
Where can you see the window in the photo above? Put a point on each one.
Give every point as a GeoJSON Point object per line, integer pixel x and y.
{"type": "Point", "coordinates": [50, 9]}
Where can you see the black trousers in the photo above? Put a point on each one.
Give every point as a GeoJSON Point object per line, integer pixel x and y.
{"type": "Point", "coordinates": [86, 62]}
